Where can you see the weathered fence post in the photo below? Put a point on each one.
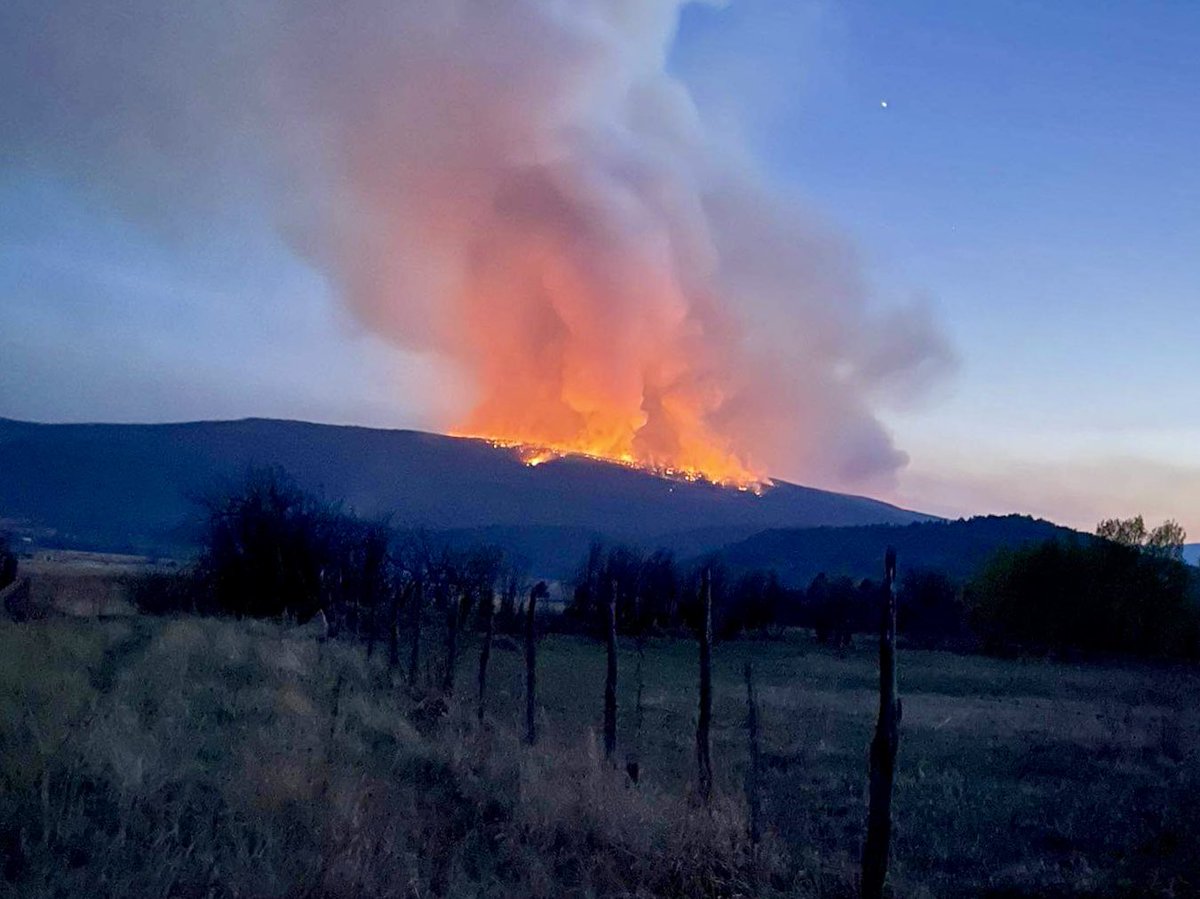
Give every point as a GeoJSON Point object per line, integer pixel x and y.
{"type": "Point", "coordinates": [333, 720]}
{"type": "Point", "coordinates": [394, 607]}
{"type": "Point", "coordinates": [363, 613]}
{"type": "Point", "coordinates": [610, 678]}
{"type": "Point", "coordinates": [633, 767]}
{"type": "Point", "coordinates": [485, 651]}
{"type": "Point", "coordinates": [538, 592]}
{"type": "Point", "coordinates": [753, 787]}
{"type": "Point", "coordinates": [453, 613]}
{"type": "Point", "coordinates": [883, 746]}
{"type": "Point", "coordinates": [704, 723]}
{"type": "Point", "coordinates": [414, 658]}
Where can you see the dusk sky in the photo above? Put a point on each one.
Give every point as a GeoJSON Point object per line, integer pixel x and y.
{"type": "Point", "coordinates": [1024, 172]}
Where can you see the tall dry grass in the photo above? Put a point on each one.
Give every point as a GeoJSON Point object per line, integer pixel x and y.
{"type": "Point", "coordinates": [208, 758]}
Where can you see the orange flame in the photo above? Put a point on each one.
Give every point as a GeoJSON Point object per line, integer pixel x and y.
{"type": "Point", "coordinates": [722, 469]}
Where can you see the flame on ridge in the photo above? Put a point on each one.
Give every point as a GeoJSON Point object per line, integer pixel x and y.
{"type": "Point", "coordinates": [734, 475]}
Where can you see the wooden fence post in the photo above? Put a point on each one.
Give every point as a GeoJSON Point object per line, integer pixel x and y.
{"type": "Point", "coordinates": [394, 605]}
{"type": "Point", "coordinates": [633, 767]}
{"type": "Point", "coordinates": [485, 651]}
{"type": "Point", "coordinates": [704, 723]}
{"type": "Point", "coordinates": [883, 746]}
{"type": "Point", "coordinates": [610, 678]}
{"type": "Point", "coordinates": [414, 657]}
{"type": "Point", "coordinates": [535, 594]}
{"type": "Point", "coordinates": [753, 788]}
{"type": "Point", "coordinates": [454, 613]}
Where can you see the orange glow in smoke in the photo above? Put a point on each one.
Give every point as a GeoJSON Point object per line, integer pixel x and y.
{"type": "Point", "coordinates": [585, 340]}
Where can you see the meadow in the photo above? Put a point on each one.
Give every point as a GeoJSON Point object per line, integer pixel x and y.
{"type": "Point", "coordinates": [203, 757]}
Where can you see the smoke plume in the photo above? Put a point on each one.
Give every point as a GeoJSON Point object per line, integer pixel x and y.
{"type": "Point", "coordinates": [521, 186]}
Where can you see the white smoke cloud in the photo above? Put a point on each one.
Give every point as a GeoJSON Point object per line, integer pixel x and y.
{"type": "Point", "coordinates": [519, 185]}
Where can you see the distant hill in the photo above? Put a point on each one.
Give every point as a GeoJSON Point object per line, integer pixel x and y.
{"type": "Point", "coordinates": [957, 548]}
{"type": "Point", "coordinates": [132, 487]}
{"type": "Point", "coordinates": [1191, 553]}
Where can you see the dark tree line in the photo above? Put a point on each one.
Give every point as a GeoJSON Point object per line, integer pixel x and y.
{"type": "Point", "coordinates": [271, 549]}
{"type": "Point", "coordinates": [1082, 596]}
{"type": "Point", "coordinates": [1094, 597]}
{"type": "Point", "coordinates": [655, 594]}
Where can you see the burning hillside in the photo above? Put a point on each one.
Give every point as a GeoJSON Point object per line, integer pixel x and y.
{"type": "Point", "coordinates": [734, 475]}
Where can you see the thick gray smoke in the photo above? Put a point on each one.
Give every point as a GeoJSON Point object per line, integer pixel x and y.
{"type": "Point", "coordinates": [519, 185]}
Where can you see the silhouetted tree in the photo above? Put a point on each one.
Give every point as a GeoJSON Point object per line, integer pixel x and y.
{"type": "Point", "coordinates": [647, 590]}
{"type": "Point", "coordinates": [1126, 531]}
{"type": "Point", "coordinates": [270, 548]}
{"type": "Point", "coordinates": [586, 598]}
{"type": "Point", "coordinates": [506, 617]}
{"type": "Point", "coordinates": [839, 608]}
{"type": "Point", "coordinates": [1165, 541]}
{"type": "Point", "coordinates": [929, 608]}
{"type": "Point", "coordinates": [658, 590]}
{"type": "Point", "coordinates": [755, 601]}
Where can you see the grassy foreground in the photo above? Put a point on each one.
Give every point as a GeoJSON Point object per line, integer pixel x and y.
{"type": "Point", "coordinates": [196, 757]}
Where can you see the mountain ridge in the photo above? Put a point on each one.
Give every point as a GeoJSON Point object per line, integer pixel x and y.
{"type": "Point", "coordinates": [955, 548]}
{"type": "Point", "coordinates": [133, 486]}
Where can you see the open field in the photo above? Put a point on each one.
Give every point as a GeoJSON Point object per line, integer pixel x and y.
{"type": "Point", "coordinates": [201, 757]}
{"type": "Point", "coordinates": [73, 582]}
{"type": "Point", "coordinates": [1015, 778]}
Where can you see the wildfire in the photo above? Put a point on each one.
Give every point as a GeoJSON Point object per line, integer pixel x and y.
{"type": "Point", "coordinates": [728, 472]}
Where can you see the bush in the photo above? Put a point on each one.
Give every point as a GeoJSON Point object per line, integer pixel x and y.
{"type": "Point", "coordinates": [8, 562]}
{"type": "Point", "coordinates": [271, 549]}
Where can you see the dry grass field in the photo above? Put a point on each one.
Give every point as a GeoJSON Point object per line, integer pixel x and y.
{"type": "Point", "coordinates": [215, 758]}
{"type": "Point", "coordinates": [72, 582]}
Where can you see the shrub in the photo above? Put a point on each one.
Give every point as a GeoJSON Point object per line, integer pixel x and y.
{"type": "Point", "coordinates": [272, 549]}
{"type": "Point", "coordinates": [8, 562]}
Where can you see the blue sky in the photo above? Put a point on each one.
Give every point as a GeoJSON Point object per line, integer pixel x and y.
{"type": "Point", "coordinates": [1035, 176]}
{"type": "Point", "coordinates": [1033, 179]}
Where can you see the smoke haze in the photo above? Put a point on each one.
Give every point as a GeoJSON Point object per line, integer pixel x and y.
{"type": "Point", "coordinates": [521, 186]}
